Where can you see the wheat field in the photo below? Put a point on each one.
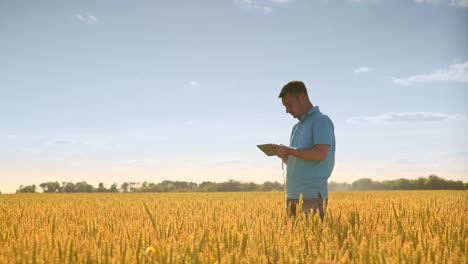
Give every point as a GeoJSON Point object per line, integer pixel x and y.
{"type": "Point", "coordinates": [359, 227]}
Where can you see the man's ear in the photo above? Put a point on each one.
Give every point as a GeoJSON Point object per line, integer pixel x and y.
{"type": "Point", "coordinates": [302, 97]}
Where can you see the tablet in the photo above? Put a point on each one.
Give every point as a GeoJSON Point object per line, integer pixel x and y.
{"type": "Point", "coordinates": [268, 149]}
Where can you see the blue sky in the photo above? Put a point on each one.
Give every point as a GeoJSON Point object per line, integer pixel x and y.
{"type": "Point", "coordinates": [114, 91]}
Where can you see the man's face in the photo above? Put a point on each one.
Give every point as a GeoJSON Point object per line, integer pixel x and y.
{"type": "Point", "coordinates": [293, 104]}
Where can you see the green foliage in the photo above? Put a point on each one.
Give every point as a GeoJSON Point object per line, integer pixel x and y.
{"type": "Point", "coordinates": [84, 187]}
{"type": "Point", "coordinates": [124, 186]}
{"type": "Point", "coordinates": [51, 187]}
{"type": "Point", "coordinates": [26, 189]}
{"type": "Point", "coordinates": [113, 188]}
{"type": "Point", "coordinates": [433, 182]}
{"type": "Point", "coordinates": [67, 187]}
{"type": "Point", "coordinates": [101, 188]}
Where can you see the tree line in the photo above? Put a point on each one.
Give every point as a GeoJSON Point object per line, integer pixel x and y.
{"type": "Point", "coordinates": [433, 182]}
{"type": "Point", "coordinates": [164, 186]}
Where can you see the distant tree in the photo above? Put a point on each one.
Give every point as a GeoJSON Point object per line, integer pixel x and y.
{"type": "Point", "coordinates": [420, 183]}
{"type": "Point", "coordinates": [84, 187]}
{"type": "Point", "coordinates": [124, 187]}
{"type": "Point", "coordinates": [434, 182]}
{"type": "Point", "coordinates": [51, 187]}
{"type": "Point", "coordinates": [207, 187]}
{"type": "Point", "coordinates": [403, 184]}
{"type": "Point", "coordinates": [179, 185]}
{"type": "Point", "coordinates": [101, 187]}
{"type": "Point", "coordinates": [69, 187]}
{"type": "Point", "coordinates": [26, 189]}
{"type": "Point", "coordinates": [269, 186]}
{"type": "Point", "coordinates": [249, 187]}
{"type": "Point", "coordinates": [164, 186]}
{"type": "Point", "coordinates": [230, 186]}
{"type": "Point", "coordinates": [363, 184]}
{"type": "Point", "coordinates": [205, 183]}
{"type": "Point", "coordinates": [113, 188]}
{"type": "Point", "coordinates": [149, 187]}
{"type": "Point", "coordinates": [132, 186]}
{"type": "Point", "coordinates": [192, 186]}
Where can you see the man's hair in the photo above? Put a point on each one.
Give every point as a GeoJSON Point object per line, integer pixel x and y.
{"type": "Point", "coordinates": [294, 87]}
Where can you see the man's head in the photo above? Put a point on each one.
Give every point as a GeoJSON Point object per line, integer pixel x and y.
{"type": "Point", "coordinates": [295, 98]}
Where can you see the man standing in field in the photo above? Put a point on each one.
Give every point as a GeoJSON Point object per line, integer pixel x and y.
{"type": "Point", "coordinates": [310, 157]}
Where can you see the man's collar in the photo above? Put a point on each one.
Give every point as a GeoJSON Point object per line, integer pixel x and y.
{"type": "Point", "coordinates": [309, 113]}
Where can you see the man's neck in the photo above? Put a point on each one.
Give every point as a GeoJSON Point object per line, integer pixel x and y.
{"type": "Point", "coordinates": [307, 110]}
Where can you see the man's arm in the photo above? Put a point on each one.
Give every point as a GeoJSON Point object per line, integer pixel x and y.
{"type": "Point", "coordinates": [319, 152]}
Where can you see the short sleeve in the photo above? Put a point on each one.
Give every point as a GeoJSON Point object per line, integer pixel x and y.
{"type": "Point", "coordinates": [323, 131]}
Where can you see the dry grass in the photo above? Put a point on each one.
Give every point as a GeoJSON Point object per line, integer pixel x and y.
{"type": "Point", "coordinates": [360, 227]}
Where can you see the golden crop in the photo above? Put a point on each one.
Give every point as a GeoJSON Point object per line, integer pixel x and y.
{"type": "Point", "coordinates": [359, 227]}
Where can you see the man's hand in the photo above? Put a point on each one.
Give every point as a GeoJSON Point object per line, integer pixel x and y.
{"type": "Point", "coordinates": [282, 151]}
{"type": "Point", "coordinates": [319, 152]}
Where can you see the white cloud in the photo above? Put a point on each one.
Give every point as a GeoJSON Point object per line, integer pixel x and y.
{"type": "Point", "coordinates": [455, 3]}
{"type": "Point", "coordinates": [261, 5]}
{"type": "Point", "coordinates": [456, 73]}
{"type": "Point", "coordinates": [88, 18]}
{"type": "Point", "coordinates": [66, 142]}
{"type": "Point", "coordinates": [408, 117]}
{"type": "Point", "coordinates": [362, 70]}
{"type": "Point", "coordinates": [459, 3]}
{"type": "Point", "coordinates": [247, 3]}
{"type": "Point", "coordinates": [191, 84]}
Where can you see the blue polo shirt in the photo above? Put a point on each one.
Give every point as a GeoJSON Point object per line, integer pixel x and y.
{"type": "Point", "coordinates": [310, 177]}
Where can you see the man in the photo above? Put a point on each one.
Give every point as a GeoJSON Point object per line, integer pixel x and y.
{"type": "Point", "coordinates": [310, 157]}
